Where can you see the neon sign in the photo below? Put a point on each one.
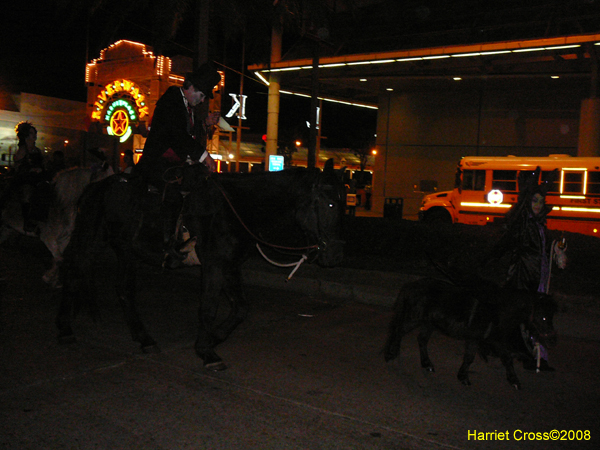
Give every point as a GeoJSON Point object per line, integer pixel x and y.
{"type": "Point", "coordinates": [239, 103]}
{"type": "Point", "coordinates": [121, 105]}
{"type": "Point", "coordinates": [119, 116]}
{"type": "Point", "coordinates": [120, 87]}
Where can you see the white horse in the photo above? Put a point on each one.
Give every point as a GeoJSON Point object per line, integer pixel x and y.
{"type": "Point", "coordinates": [55, 232]}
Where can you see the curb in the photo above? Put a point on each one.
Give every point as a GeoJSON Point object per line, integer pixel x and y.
{"type": "Point", "coordinates": [383, 294]}
{"type": "Point", "coordinates": [381, 289]}
{"type": "Point", "coordinates": [370, 287]}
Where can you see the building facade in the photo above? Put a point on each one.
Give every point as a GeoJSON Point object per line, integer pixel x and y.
{"type": "Point", "coordinates": [531, 97]}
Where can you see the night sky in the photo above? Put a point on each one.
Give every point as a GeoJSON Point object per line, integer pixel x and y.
{"type": "Point", "coordinates": [40, 54]}
{"type": "Point", "coordinates": [44, 51]}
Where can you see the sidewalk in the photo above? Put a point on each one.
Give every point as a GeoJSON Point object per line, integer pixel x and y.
{"type": "Point", "coordinates": [364, 286]}
{"type": "Point", "coordinates": [381, 288]}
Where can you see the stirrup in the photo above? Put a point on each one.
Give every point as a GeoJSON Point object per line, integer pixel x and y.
{"type": "Point", "coordinates": [172, 258]}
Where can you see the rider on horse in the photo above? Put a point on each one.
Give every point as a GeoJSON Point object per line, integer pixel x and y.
{"type": "Point", "coordinates": [29, 173]}
{"type": "Point", "coordinates": [177, 136]}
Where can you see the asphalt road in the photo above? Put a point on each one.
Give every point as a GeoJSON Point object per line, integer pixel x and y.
{"type": "Point", "coordinates": [305, 372]}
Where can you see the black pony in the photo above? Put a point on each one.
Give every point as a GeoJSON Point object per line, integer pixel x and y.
{"type": "Point", "coordinates": [226, 214]}
{"type": "Point", "coordinates": [490, 319]}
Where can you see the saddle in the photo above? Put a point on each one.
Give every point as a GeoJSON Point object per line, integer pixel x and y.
{"type": "Point", "coordinates": [161, 210]}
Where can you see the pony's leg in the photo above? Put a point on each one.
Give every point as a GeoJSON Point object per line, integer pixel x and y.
{"type": "Point", "coordinates": [126, 292]}
{"type": "Point", "coordinates": [423, 339]}
{"type": "Point", "coordinates": [402, 323]}
{"type": "Point", "coordinates": [394, 340]}
{"type": "Point", "coordinates": [511, 375]}
{"type": "Point", "coordinates": [470, 352]}
{"type": "Point", "coordinates": [400, 326]}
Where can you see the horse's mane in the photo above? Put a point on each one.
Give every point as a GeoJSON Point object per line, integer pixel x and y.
{"type": "Point", "coordinates": [288, 177]}
{"type": "Point", "coordinates": [293, 183]}
{"type": "Point", "coordinates": [258, 175]}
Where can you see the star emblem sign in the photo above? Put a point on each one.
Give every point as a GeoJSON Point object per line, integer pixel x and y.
{"type": "Point", "coordinates": [119, 122]}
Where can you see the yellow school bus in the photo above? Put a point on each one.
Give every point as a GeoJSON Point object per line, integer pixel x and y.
{"type": "Point", "coordinates": [486, 187]}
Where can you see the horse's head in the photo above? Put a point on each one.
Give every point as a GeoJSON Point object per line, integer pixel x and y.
{"type": "Point", "coordinates": [323, 214]}
{"type": "Point", "coordinates": [540, 321]}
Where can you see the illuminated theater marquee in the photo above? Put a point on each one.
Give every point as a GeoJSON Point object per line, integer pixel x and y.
{"type": "Point", "coordinates": [119, 105]}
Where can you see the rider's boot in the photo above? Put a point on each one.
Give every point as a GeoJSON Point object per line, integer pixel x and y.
{"type": "Point", "coordinates": [170, 212]}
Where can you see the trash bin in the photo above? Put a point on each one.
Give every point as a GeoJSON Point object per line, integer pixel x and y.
{"type": "Point", "coordinates": [351, 204]}
{"type": "Point", "coordinates": [392, 208]}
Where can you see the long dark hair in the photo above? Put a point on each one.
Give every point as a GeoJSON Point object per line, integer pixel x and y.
{"type": "Point", "coordinates": [528, 187]}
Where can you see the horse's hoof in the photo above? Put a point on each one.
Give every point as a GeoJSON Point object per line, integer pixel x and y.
{"type": "Point", "coordinates": [67, 340]}
{"type": "Point", "coordinates": [217, 366]}
{"type": "Point", "coordinates": [464, 379]}
{"type": "Point", "coordinates": [517, 386]}
{"type": "Point", "coordinates": [212, 361]}
{"type": "Point", "coordinates": [151, 349]}
{"type": "Point", "coordinates": [429, 369]}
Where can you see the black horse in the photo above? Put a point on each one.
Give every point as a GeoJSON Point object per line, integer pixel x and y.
{"type": "Point", "coordinates": [490, 319]}
{"type": "Point", "coordinates": [227, 214]}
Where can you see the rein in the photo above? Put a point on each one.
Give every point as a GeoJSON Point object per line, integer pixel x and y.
{"type": "Point", "coordinates": [296, 265]}
{"type": "Point", "coordinates": [533, 349]}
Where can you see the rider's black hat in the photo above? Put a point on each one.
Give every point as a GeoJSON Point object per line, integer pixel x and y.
{"type": "Point", "coordinates": [204, 78]}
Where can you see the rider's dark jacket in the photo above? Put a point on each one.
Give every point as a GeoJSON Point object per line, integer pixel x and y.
{"type": "Point", "coordinates": [172, 138]}
{"type": "Point", "coordinates": [526, 240]}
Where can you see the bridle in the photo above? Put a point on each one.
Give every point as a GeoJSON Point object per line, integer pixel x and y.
{"type": "Point", "coordinates": [254, 236]}
{"type": "Point", "coordinates": [295, 265]}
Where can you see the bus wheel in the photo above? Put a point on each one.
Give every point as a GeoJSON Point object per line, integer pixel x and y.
{"type": "Point", "coordinates": [438, 215]}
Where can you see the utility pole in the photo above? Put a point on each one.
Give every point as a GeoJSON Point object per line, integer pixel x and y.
{"type": "Point", "coordinates": [239, 127]}
{"type": "Point", "coordinates": [273, 100]}
{"type": "Point", "coordinates": [202, 16]}
{"type": "Point", "coordinates": [314, 103]}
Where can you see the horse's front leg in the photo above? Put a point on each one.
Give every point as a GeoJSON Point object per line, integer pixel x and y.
{"type": "Point", "coordinates": [76, 290]}
{"type": "Point", "coordinates": [423, 339]}
{"type": "Point", "coordinates": [126, 292]}
{"type": "Point", "coordinates": [470, 352]}
{"type": "Point", "coordinates": [51, 276]}
{"type": "Point", "coordinates": [212, 285]}
{"type": "Point", "coordinates": [64, 316]}
{"type": "Point", "coordinates": [233, 289]}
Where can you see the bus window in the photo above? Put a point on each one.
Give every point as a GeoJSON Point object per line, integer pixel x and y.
{"type": "Point", "coordinates": [552, 177]}
{"type": "Point", "coordinates": [473, 180]}
{"type": "Point", "coordinates": [572, 182]}
{"type": "Point", "coordinates": [593, 186]}
{"type": "Point", "coordinates": [505, 180]}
